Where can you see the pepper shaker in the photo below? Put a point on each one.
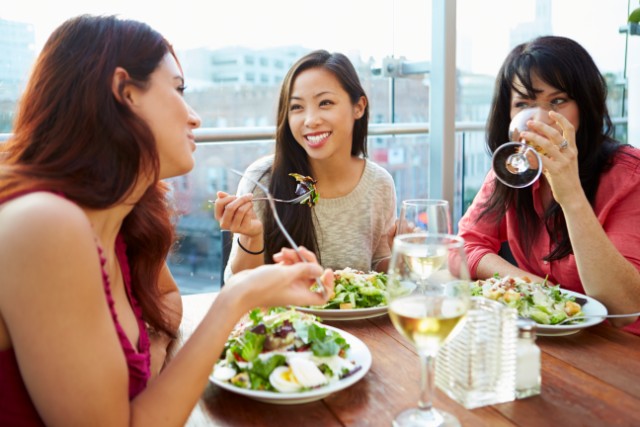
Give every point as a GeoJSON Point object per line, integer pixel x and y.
{"type": "Point", "coordinates": [527, 361]}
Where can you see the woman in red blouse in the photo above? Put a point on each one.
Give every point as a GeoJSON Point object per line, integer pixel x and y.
{"type": "Point", "coordinates": [579, 224]}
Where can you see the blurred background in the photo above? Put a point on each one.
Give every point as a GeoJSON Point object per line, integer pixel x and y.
{"type": "Point", "coordinates": [428, 67]}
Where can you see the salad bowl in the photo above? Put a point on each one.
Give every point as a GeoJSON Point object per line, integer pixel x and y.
{"type": "Point", "coordinates": [357, 354]}
{"type": "Point", "coordinates": [550, 306]}
{"type": "Point", "coordinates": [345, 314]}
{"type": "Point", "coordinates": [357, 295]}
{"type": "Point", "coordinates": [591, 307]}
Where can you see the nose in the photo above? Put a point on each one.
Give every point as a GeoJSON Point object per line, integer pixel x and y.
{"type": "Point", "coordinates": [541, 111]}
{"type": "Point", "coordinates": [194, 118]}
{"type": "Point", "coordinates": [312, 118]}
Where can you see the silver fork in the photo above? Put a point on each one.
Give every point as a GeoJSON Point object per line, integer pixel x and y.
{"type": "Point", "coordinates": [293, 244]}
{"type": "Point", "coordinates": [602, 316]}
{"type": "Point", "coordinates": [293, 201]}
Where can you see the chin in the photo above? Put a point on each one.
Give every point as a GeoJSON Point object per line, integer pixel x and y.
{"type": "Point", "coordinates": [177, 170]}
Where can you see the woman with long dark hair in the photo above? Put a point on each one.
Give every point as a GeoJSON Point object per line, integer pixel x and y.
{"type": "Point", "coordinates": [322, 126]}
{"type": "Point", "coordinates": [87, 303]}
{"type": "Point", "coordinates": [579, 224]}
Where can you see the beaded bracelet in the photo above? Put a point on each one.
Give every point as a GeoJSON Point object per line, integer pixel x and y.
{"type": "Point", "coordinates": [247, 250]}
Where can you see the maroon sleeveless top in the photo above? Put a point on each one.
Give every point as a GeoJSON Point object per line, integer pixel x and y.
{"type": "Point", "coordinates": [16, 407]}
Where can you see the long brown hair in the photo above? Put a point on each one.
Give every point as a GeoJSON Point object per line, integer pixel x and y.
{"type": "Point", "coordinates": [72, 136]}
{"type": "Point", "coordinates": [291, 157]}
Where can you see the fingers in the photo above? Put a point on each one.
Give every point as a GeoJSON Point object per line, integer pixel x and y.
{"type": "Point", "coordinates": [304, 271]}
{"type": "Point", "coordinates": [568, 130]}
{"type": "Point", "coordinates": [289, 256]}
{"type": "Point", "coordinates": [231, 211]}
{"type": "Point", "coordinates": [328, 279]}
{"type": "Point", "coordinates": [222, 200]}
{"type": "Point", "coordinates": [305, 281]}
{"type": "Point", "coordinates": [276, 285]}
{"type": "Point", "coordinates": [549, 137]}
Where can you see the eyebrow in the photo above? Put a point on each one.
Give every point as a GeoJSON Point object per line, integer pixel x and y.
{"type": "Point", "coordinates": [556, 93]}
{"type": "Point", "coordinates": [318, 95]}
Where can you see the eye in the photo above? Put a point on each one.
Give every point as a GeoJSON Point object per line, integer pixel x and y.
{"type": "Point", "coordinates": [325, 102]}
{"type": "Point", "coordinates": [559, 101]}
{"type": "Point", "coordinates": [522, 104]}
{"type": "Point", "coordinates": [295, 107]}
{"type": "Point", "coordinates": [181, 89]}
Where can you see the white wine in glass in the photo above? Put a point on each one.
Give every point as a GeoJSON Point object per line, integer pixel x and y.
{"type": "Point", "coordinates": [429, 297]}
{"type": "Point", "coordinates": [425, 263]}
{"type": "Point", "coordinates": [424, 215]}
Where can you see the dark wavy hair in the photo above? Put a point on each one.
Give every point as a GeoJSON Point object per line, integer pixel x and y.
{"type": "Point", "coordinates": [73, 137]}
{"type": "Point", "coordinates": [291, 157]}
{"type": "Point", "coordinates": [567, 66]}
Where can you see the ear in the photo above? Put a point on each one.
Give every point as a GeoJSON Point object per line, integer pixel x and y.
{"type": "Point", "coordinates": [121, 90]}
{"type": "Point", "coordinates": [359, 107]}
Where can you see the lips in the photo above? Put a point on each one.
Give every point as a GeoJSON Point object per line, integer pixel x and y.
{"type": "Point", "coordinates": [317, 139]}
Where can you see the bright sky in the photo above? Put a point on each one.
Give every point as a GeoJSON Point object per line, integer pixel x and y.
{"type": "Point", "coordinates": [375, 28]}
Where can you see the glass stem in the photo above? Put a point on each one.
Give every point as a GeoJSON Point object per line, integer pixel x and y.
{"type": "Point", "coordinates": [427, 363]}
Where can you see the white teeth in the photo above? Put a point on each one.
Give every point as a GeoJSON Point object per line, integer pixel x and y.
{"type": "Point", "coordinates": [314, 139]}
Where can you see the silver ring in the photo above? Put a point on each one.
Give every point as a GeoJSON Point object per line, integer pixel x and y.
{"type": "Point", "coordinates": [564, 144]}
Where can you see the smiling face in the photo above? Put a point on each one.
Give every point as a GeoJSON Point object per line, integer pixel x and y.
{"type": "Point", "coordinates": [547, 98]}
{"type": "Point", "coordinates": [171, 120]}
{"type": "Point", "coordinates": [321, 115]}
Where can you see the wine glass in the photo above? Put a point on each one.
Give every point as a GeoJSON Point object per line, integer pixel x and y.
{"type": "Point", "coordinates": [516, 163]}
{"type": "Point", "coordinates": [424, 215]}
{"type": "Point", "coordinates": [429, 296]}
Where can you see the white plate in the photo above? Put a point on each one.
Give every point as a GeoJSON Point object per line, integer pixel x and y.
{"type": "Point", "coordinates": [352, 314]}
{"type": "Point", "coordinates": [358, 352]}
{"type": "Point", "coordinates": [592, 307]}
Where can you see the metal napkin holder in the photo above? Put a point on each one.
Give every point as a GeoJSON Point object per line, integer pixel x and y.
{"type": "Point", "coordinates": [477, 366]}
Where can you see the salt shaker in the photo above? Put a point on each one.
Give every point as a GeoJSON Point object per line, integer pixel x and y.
{"type": "Point", "coordinates": [527, 361]}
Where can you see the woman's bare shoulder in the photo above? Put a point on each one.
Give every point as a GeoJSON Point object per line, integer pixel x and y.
{"type": "Point", "coordinates": [43, 205]}
{"type": "Point", "coordinates": [39, 217]}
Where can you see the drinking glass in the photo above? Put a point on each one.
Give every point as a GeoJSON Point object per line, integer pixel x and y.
{"type": "Point", "coordinates": [424, 215]}
{"type": "Point", "coordinates": [516, 163]}
{"type": "Point", "coordinates": [429, 296]}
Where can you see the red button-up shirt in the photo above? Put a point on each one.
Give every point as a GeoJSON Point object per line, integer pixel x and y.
{"type": "Point", "coordinates": [617, 207]}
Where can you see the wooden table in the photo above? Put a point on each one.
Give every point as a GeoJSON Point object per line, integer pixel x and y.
{"type": "Point", "coordinates": [591, 378]}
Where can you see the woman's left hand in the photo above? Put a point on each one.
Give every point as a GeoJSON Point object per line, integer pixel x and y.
{"type": "Point", "coordinates": [288, 282]}
{"type": "Point", "coordinates": [288, 256]}
{"type": "Point", "coordinates": [559, 158]}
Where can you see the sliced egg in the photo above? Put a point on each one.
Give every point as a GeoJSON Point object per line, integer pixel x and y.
{"type": "Point", "coordinates": [223, 372]}
{"type": "Point", "coordinates": [335, 363]}
{"type": "Point", "coordinates": [306, 372]}
{"type": "Point", "coordinates": [283, 380]}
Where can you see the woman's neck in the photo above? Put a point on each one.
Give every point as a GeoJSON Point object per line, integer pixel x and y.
{"type": "Point", "coordinates": [107, 224]}
{"type": "Point", "coordinates": [337, 178]}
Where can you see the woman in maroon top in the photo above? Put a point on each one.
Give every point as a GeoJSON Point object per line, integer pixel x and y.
{"type": "Point", "coordinates": [85, 229]}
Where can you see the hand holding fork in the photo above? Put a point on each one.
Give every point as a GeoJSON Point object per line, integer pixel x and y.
{"type": "Point", "coordinates": [319, 286]}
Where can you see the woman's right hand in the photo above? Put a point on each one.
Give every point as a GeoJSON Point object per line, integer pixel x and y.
{"type": "Point", "coordinates": [236, 214]}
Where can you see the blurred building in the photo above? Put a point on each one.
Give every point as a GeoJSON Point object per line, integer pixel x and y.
{"type": "Point", "coordinates": [17, 42]}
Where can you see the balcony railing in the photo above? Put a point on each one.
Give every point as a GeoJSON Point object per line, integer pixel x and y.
{"type": "Point", "coordinates": [403, 149]}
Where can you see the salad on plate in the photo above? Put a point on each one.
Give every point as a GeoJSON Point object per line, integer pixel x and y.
{"type": "Point", "coordinates": [284, 351]}
{"type": "Point", "coordinates": [355, 289]}
{"type": "Point", "coordinates": [546, 305]}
